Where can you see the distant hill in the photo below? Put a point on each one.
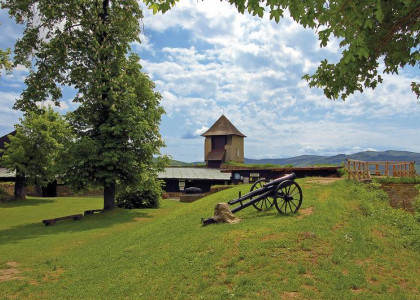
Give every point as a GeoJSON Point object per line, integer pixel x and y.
{"type": "Point", "coordinates": [307, 160]}
{"type": "Point", "coordinates": [173, 162]}
{"type": "Point", "coordinates": [310, 160]}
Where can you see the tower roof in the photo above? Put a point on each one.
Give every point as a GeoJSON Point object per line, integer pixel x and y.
{"type": "Point", "coordinates": [223, 127]}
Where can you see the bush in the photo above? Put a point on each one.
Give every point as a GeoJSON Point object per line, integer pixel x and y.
{"type": "Point", "coordinates": [147, 195]}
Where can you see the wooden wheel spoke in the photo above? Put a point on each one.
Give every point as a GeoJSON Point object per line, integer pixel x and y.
{"type": "Point", "coordinates": [291, 201]}
{"type": "Point", "coordinates": [288, 196]}
{"type": "Point", "coordinates": [290, 206]}
{"type": "Point", "coordinates": [264, 203]}
{"type": "Point", "coordinates": [284, 201]}
{"type": "Point", "coordinates": [293, 195]}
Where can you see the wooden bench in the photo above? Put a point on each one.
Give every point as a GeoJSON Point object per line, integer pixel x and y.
{"type": "Point", "coordinates": [49, 222]}
{"type": "Point", "coordinates": [92, 211]}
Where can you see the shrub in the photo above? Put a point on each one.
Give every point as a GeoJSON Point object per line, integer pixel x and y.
{"type": "Point", "coordinates": [147, 195]}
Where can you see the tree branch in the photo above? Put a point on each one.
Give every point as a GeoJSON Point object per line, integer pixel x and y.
{"type": "Point", "coordinates": [403, 22]}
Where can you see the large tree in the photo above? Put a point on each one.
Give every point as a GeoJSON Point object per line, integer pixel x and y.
{"type": "Point", "coordinates": [369, 32]}
{"type": "Point", "coordinates": [86, 45]}
{"type": "Point", "coordinates": [37, 150]}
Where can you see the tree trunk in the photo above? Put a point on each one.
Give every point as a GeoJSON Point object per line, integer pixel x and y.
{"type": "Point", "coordinates": [109, 196]}
{"type": "Point", "coordinates": [20, 190]}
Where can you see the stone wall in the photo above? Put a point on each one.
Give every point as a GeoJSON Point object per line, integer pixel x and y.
{"type": "Point", "coordinates": [34, 191]}
{"type": "Point", "coordinates": [8, 187]}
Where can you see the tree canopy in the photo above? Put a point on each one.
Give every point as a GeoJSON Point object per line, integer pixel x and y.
{"type": "Point", "coordinates": [37, 151]}
{"type": "Point", "coordinates": [370, 32]}
{"type": "Point", "coordinates": [5, 61]}
{"type": "Point", "coordinates": [86, 45]}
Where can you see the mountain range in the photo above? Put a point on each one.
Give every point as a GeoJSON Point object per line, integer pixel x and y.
{"type": "Point", "coordinates": [308, 160]}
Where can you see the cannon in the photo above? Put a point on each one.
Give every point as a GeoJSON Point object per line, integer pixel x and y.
{"type": "Point", "coordinates": [283, 193]}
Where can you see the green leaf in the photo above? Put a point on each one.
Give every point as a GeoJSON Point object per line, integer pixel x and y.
{"type": "Point", "coordinates": [378, 11]}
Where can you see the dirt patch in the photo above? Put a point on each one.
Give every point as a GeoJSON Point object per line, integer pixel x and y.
{"type": "Point", "coordinates": [306, 235]}
{"type": "Point", "coordinates": [338, 226]}
{"type": "Point", "coordinates": [290, 295]}
{"type": "Point", "coordinates": [356, 290]}
{"type": "Point", "coordinates": [53, 275]}
{"type": "Point", "coordinates": [309, 287]}
{"type": "Point", "coordinates": [11, 273]}
{"type": "Point", "coordinates": [401, 195]}
{"type": "Point", "coordinates": [378, 233]}
{"type": "Point", "coordinates": [324, 180]}
{"type": "Point", "coordinates": [304, 212]}
{"type": "Point", "coordinates": [363, 262]}
{"type": "Point", "coordinates": [272, 237]}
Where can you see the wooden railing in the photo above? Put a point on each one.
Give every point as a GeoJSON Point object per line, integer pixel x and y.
{"type": "Point", "coordinates": [362, 170]}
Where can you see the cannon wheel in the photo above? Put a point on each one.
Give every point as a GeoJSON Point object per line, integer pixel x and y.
{"type": "Point", "coordinates": [265, 203]}
{"type": "Point", "coordinates": [288, 197]}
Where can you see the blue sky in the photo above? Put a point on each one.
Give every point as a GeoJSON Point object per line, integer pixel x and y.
{"type": "Point", "coordinates": [207, 59]}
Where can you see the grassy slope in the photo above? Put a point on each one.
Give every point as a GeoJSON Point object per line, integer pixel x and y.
{"type": "Point", "coordinates": [345, 243]}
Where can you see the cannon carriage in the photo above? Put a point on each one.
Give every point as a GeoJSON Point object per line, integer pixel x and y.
{"type": "Point", "coordinates": [283, 193]}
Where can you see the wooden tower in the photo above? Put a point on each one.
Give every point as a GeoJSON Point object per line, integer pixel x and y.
{"type": "Point", "coordinates": [223, 143]}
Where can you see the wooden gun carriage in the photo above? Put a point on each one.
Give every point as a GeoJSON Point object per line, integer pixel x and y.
{"type": "Point", "coordinates": [283, 193]}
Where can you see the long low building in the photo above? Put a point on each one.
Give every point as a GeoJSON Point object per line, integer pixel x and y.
{"type": "Point", "coordinates": [179, 178]}
{"type": "Point", "coordinates": [245, 174]}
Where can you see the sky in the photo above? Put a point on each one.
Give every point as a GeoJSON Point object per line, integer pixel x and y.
{"type": "Point", "coordinates": [207, 59]}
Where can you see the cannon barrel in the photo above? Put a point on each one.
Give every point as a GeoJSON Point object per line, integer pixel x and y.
{"type": "Point", "coordinates": [279, 180]}
{"type": "Point", "coordinates": [258, 198]}
{"type": "Point", "coordinates": [249, 195]}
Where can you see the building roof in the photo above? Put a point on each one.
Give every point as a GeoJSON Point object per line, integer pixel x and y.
{"type": "Point", "coordinates": [223, 127]}
{"type": "Point", "coordinates": [216, 154]}
{"type": "Point", "coordinates": [4, 173]}
{"type": "Point", "coordinates": [5, 139]}
{"type": "Point", "coordinates": [193, 173]}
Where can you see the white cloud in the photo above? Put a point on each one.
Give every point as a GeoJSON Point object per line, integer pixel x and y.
{"type": "Point", "coordinates": [201, 130]}
{"type": "Point", "coordinates": [63, 105]}
{"type": "Point", "coordinates": [210, 60]}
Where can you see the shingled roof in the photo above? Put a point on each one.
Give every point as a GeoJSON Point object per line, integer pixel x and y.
{"type": "Point", "coordinates": [223, 127]}
{"type": "Point", "coordinates": [5, 139]}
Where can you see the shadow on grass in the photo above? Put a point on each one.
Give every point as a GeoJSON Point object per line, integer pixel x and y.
{"type": "Point", "coordinates": [26, 202]}
{"type": "Point", "coordinates": [89, 222]}
{"type": "Point", "coordinates": [272, 213]}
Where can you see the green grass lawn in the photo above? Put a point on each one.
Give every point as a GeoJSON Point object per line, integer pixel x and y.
{"type": "Point", "coordinates": [344, 243]}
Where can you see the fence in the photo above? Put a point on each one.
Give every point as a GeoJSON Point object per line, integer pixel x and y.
{"type": "Point", "coordinates": [362, 170]}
